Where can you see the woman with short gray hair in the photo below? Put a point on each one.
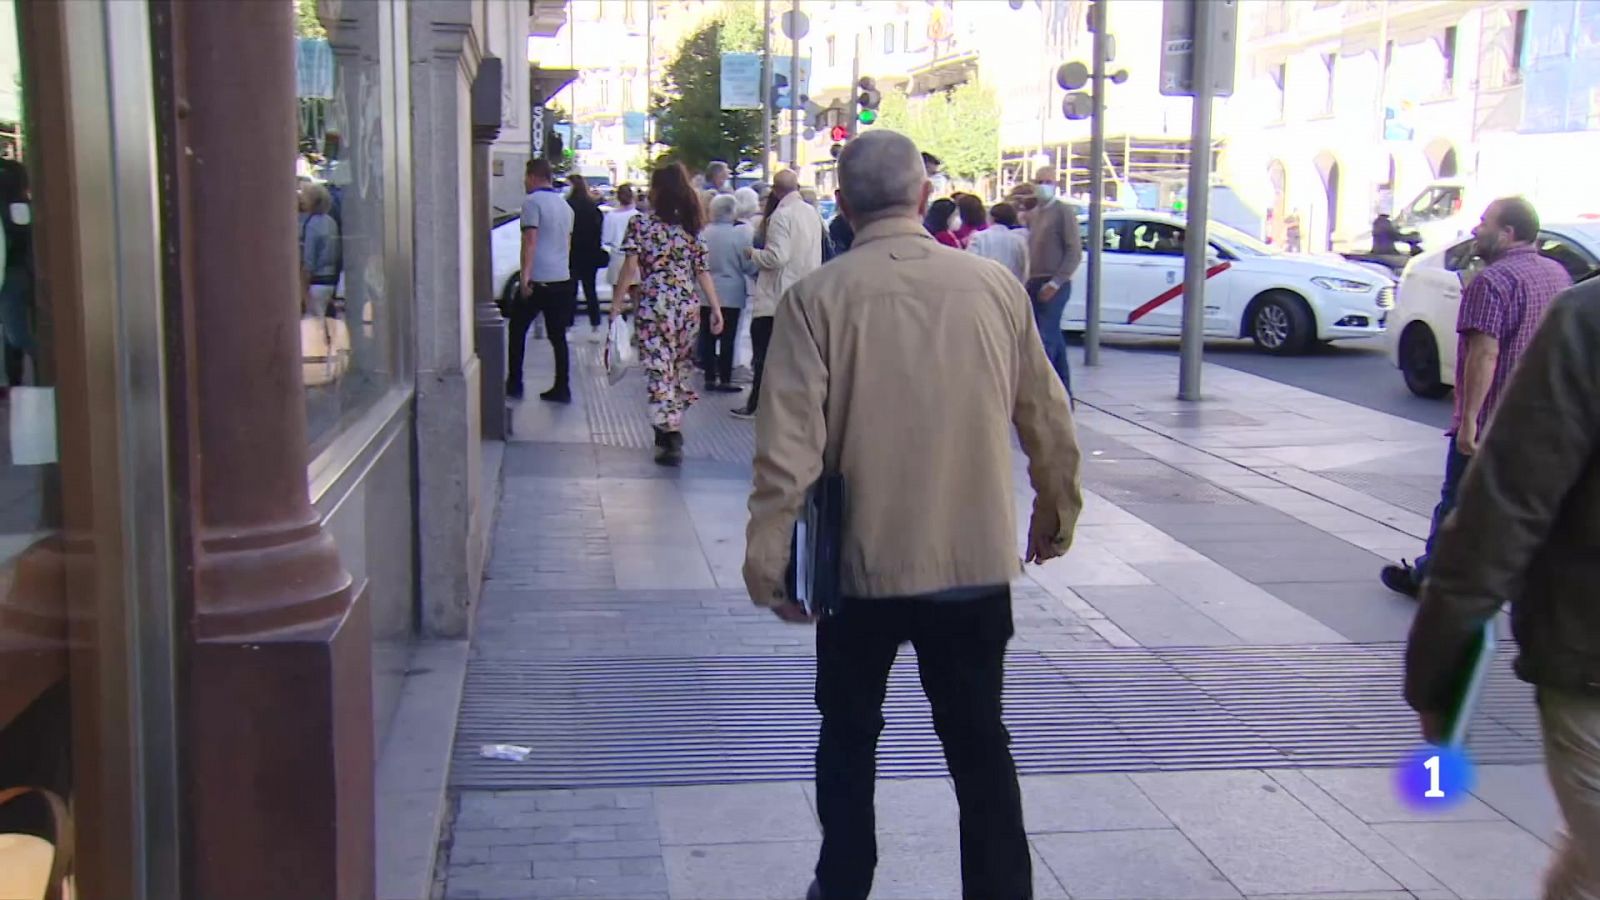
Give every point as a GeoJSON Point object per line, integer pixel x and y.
{"type": "Point", "coordinates": [727, 250]}
{"type": "Point", "coordinates": [319, 250]}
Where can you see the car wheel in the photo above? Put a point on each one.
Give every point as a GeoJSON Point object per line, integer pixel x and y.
{"type": "Point", "coordinates": [1419, 363]}
{"type": "Point", "coordinates": [1280, 324]}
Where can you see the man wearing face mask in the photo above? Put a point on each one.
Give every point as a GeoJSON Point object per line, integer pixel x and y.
{"type": "Point", "coordinates": [1500, 311]}
{"type": "Point", "coordinates": [1054, 250]}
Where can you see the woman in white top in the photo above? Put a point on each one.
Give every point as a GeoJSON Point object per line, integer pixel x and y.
{"type": "Point", "coordinates": [1003, 241]}
{"type": "Point", "coordinates": [613, 229]}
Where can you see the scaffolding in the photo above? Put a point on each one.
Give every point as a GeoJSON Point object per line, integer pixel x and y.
{"type": "Point", "coordinates": [1138, 171]}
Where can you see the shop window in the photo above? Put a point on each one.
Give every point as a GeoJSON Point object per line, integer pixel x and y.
{"type": "Point", "coordinates": [888, 39]}
{"type": "Point", "coordinates": [348, 316]}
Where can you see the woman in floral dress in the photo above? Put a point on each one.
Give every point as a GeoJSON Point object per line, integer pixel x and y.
{"type": "Point", "coordinates": [665, 260]}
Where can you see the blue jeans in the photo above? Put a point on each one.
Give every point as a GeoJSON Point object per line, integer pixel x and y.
{"type": "Point", "coordinates": [1455, 465]}
{"type": "Point", "coordinates": [1048, 316]}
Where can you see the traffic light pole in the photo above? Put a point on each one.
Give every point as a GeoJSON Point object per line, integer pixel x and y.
{"type": "Point", "coordinates": [855, 89]}
{"type": "Point", "coordinates": [794, 89]}
{"type": "Point", "coordinates": [1198, 210]}
{"type": "Point", "coordinates": [1097, 185]}
{"type": "Point", "coordinates": [766, 91]}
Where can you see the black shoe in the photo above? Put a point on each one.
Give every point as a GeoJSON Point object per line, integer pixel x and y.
{"type": "Point", "coordinates": [726, 388]}
{"type": "Point", "coordinates": [513, 391]}
{"type": "Point", "coordinates": [557, 394]}
{"type": "Point", "coordinates": [743, 413]}
{"type": "Point", "coordinates": [671, 451]}
{"type": "Point", "coordinates": [815, 891]}
{"type": "Point", "coordinates": [1402, 579]}
{"type": "Point", "coordinates": [661, 436]}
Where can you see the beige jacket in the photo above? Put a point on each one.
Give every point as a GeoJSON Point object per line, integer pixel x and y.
{"type": "Point", "coordinates": [793, 250]}
{"type": "Point", "coordinates": [905, 365]}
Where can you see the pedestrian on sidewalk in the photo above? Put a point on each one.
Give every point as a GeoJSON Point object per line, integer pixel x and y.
{"type": "Point", "coordinates": [929, 543]}
{"type": "Point", "coordinates": [974, 218]}
{"type": "Point", "coordinates": [612, 231]}
{"type": "Point", "coordinates": [587, 252]}
{"type": "Point", "coordinates": [666, 258]}
{"type": "Point", "coordinates": [1524, 531]}
{"type": "Point", "coordinates": [1500, 310]}
{"type": "Point", "coordinates": [790, 249]}
{"type": "Point", "coordinates": [1055, 248]}
{"type": "Point", "coordinates": [546, 287]}
{"type": "Point", "coordinates": [728, 254]}
{"type": "Point", "coordinates": [940, 222]}
{"type": "Point", "coordinates": [1004, 242]}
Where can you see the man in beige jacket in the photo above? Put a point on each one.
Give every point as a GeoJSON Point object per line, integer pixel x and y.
{"type": "Point", "coordinates": [791, 249]}
{"type": "Point", "coordinates": [903, 366]}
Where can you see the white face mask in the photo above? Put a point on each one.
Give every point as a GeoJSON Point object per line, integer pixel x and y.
{"type": "Point", "coordinates": [955, 223]}
{"type": "Point", "coordinates": [21, 214]}
{"type": "Point", "coordinates": [1046, 192]}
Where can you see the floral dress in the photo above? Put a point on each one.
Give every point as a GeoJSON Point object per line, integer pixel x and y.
{"type": "Point", "coordinates": [668, 319]}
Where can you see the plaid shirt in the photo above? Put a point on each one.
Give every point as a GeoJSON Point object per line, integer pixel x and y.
{"type": "Point", "coordinates": [1506, 301]}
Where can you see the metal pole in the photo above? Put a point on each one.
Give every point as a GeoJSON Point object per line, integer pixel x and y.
{"type": "Point", "coordinates": [1194, 241]}
{"type": "Point", "coordinates": [649, 82]}
{"type": "Point", "coordinates": [794, 87]}
{"type": "Point", "coordinates": [855, 90]}
{"type": "Point", "coordinates": [766, 91]}
{"type": "Point", "coordinates": [1097, 188]}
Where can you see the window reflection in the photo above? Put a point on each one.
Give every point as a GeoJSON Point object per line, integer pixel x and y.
{"type": "Point", "coordinates": [347, 320]}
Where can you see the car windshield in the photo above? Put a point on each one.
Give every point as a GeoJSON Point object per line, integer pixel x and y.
{"type": "Point", "coordinates": [1239, 241]}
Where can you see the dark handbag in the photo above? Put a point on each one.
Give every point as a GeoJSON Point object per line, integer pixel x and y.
{"type": "Point", "coordinates": [603, 260]}
{"type": "Point", "coordinates": [814, 579]}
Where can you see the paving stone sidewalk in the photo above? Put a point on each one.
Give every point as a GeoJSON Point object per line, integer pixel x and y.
{"type": "Point", "coordinates": [1203, 534]}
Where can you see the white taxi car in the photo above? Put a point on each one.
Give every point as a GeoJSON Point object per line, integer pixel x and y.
{"type": "Point", "coordinates": [1283, 302]}
{"type": "Point", "coordinates": [1422, 328]}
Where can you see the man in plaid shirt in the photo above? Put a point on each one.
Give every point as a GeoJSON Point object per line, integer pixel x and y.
{"type": "Point", "coordinates": [1500, 311]}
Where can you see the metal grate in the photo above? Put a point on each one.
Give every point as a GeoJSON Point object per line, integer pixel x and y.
{"type": "Point", "coordinates": [619, 416]}
{"type": "Point", "coordinates": [629, 721]}
{"type": "Point", "coordinates": [1414, 493]}
{"type": "Point", "coordinates": [1150, 481]}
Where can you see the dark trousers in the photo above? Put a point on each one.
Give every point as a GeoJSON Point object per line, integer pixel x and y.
{"type": "Point", "coordinates": [716, 350]}
{"type": "Point", "coordinates": [760, 338]}
{"type": "Point", "coordinates": [555, 301]}
{"type": "Point", "coordinates": [1048, 316]}
{"type": "Point", "coordinates": [1455, 466]}
{"type": "Point", "coordinates": [960, 649]}
{"type": "Point", "coordinates": [591, 295]}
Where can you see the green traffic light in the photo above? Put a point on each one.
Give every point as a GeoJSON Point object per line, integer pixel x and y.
{"type": "Point", "coordinates": [867, 116]}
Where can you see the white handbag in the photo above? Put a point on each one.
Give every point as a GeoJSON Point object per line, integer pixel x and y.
{"type": "Point", "coordinates": [620, 354]}
{"type": "Point", "coordinates": [324, 350]}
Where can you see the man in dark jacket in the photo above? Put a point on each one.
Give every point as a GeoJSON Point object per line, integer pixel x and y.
{"type": "Point", "coordinates": [1526, 530]}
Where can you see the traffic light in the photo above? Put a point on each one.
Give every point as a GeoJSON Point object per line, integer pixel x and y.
{"type": "Point", "coordinates": [839, 133]}
{"type": "Point", "coordinates": [869, 100]}
{"type": "Point", "coordinates": [779, 97]}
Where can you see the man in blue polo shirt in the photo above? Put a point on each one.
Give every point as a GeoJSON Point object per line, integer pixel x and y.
{"type": "Point", "coordinates": [546, 285]}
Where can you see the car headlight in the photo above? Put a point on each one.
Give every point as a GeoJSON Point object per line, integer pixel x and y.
{"type": "Point", "coordinates": [1345, 285]}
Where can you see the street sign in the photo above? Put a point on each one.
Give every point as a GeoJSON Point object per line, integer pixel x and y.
{"type": "Point", "coordinates": [1177, 46]}
{"type": "Point", "coordinates": [741, 81]}
{"type": "Point", "coordinates": [1077, 105]}
{"type": "Point", "coordinates": [795, 24]}
{"type": "Point", "coordinates": [633, 127]}
{"type": "Point", "coordinates": [783, 94]}
{"type": "Point", "coordinates": [536, 131]}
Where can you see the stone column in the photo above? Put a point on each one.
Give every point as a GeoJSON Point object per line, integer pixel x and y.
{"type": "Point", "coordinates": [445, 53]}
{"type": "Point", "coordinates": [278, 756]}
{"type": "Point", "coordinates": [490, 330]}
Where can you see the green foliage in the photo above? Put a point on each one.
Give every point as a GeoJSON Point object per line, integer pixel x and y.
{"type": "Point", "coordinates": [961, 127]}
{"type": "Point", "coordinates": [689, 115]}
{"type": "Point", "coordinates": [306, 24]}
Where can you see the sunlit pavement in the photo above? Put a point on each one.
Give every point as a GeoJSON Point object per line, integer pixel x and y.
{"type": "Point", "coordinates": [1203, 693]}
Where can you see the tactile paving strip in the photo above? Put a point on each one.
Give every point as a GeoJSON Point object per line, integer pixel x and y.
{"type": "Point", "coordinates": [661, 721]}
{"type": "Point", "coordinates": [619, 416]}
{"type": "Point", "coordinates": [1415, 493]}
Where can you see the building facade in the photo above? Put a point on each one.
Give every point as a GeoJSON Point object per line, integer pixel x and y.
{"type": "Point", "coordinates": [245, 464]}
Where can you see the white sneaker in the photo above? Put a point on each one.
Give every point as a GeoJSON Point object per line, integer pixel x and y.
{"type": "Point", "coordinates": [596, 335]}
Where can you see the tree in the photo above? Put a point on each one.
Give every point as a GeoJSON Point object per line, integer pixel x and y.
{"type": "Point", "coordinates": [689, 115]}
{"type": "Point", "coordinates": [306, 24]}
{"type": "Point", "coordinates": [960, 126]}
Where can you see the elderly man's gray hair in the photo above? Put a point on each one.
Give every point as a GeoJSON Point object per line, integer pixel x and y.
{"type": "Point", "coordinates": [723, 207]}
{"type": "Point", "coordinates": [880, 173]}
{"type": "Point", "coordinates": [717, 167]}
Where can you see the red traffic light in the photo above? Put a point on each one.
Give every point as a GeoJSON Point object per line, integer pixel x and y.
{"type": "Point", "coordinates": [839, 133]}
